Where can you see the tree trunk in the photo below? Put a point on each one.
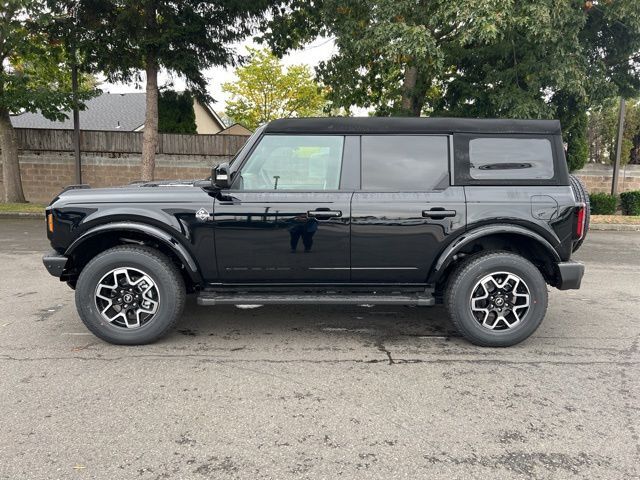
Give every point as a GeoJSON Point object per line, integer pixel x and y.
{"type": "Point", "coordinates": [413, 92]}
{"type": "Point", "coordinates": [150, 135]}
{"type": "Point", "coordinates": [10, 164]}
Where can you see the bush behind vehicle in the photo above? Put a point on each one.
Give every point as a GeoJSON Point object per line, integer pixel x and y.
{"type": "Point", "coordinates": [603, 203]}
{"type": "Point", "coordinates": [630, 202]}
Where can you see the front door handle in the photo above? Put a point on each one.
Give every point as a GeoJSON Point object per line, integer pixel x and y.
{"type": "Point", "coordinates": [320, 213]}
{"type": "Point", "coordinates": [438, 213]}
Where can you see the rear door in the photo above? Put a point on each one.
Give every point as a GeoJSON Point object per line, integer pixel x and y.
{"type": "Point", "coordinates": [287, 216]}
{"type": "Point", "coordinates": [406, 210]}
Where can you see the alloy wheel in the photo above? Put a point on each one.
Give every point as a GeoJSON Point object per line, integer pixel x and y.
{"type": "Point", "coordinates": [500, 301]}
{"type": "Point", "coordinates": [127, 297]}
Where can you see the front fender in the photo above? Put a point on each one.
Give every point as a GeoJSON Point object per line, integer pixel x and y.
{"type": "Point", "coordinates": [154, 232]}
{"type": "Point", "coordinates": [447, 256]}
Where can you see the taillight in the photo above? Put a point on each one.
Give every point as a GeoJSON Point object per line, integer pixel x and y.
{"type": "Point", "coordinates": [581, 216]}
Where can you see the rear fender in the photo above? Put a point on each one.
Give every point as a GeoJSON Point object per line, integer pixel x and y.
{"type": "Point", "coordinates": [449, 253]}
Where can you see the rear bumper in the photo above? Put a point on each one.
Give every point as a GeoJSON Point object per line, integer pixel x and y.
{"type": "Point", "coordinates": [570, 275]}
{"type": "Point", "coordinates": [55, 263]}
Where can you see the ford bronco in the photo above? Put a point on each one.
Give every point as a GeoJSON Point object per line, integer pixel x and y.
{"type": "Point", "coordinates": [478, 215]}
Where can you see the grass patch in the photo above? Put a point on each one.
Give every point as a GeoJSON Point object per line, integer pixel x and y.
{"type": "Point", "coordinates": [22, 208]}
{"type": "Point", "coordinates": [626, 219]}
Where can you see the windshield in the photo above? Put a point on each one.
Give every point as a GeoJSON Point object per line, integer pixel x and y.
{"type": "Point", "coordinates": [249, 141]}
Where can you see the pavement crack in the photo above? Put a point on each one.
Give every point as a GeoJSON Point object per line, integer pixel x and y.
{"type": "Point", "coordinates": [383, 349]}
{"type": "Point", "coordinates": [396, 361]}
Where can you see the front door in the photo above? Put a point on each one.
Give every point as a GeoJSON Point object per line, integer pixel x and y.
{"type": "Point", "coordinates": [286, 218]}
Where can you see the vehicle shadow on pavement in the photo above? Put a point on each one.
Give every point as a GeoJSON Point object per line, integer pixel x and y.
{"type": "Point", "coordinates": [322, 322]}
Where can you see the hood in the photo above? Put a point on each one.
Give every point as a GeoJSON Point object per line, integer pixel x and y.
{"type": "Point", "coordinates": [155, 191]}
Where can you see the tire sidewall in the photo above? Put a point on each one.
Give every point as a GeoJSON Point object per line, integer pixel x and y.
{"type": "Point", "coordinates": [153, 266]}
{"type": "Point", "coordinates": [471, 328]}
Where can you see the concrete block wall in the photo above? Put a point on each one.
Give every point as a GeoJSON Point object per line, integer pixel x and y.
{"type": "Point", "coordinates": [598, 178]}
{"type": "Point", "coordinates": [44, 173]}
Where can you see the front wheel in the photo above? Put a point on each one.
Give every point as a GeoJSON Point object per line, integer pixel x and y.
{"type": "Point", "coordinates": [130, 295]}
{"type": "Point", "coordinates": [496, 299]}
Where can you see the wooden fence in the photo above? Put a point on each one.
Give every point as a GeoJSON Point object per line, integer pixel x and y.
{"type": "Point", "coordinates": [128, 142]}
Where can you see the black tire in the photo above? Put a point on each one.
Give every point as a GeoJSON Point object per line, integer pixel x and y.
{"type": "Point", "coordinates": [159, 268]}
{"type": "Point", "coordinates": [462, 284]}
{"type": "Point", "coordinates": [582, 195]}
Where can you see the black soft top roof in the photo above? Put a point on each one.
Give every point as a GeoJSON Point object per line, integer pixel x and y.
{"type": "Point", "coordinates": [378, 125]}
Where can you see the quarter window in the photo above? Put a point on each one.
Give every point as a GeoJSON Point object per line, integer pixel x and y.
{"type": "Point", "coordinates": [294, 162]}
{"type": "Point", "coordinates": [404, 163]}
{"type": "Point", "coordinates": [510, 159]}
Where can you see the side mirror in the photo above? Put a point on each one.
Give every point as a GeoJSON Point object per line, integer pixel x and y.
{"type": "Point", "coordinates": [220, 176]}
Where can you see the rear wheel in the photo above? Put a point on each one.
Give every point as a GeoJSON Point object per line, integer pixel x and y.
{"type": "Point", "coordinates": [130, 295]}
{"type": "Point", "coordinates": [496, 299]}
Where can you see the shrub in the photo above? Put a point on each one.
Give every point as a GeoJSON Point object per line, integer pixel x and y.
{"type": "Point", "coordinates": [176, 113]}
{"type": "Point", "coordinates": [602, 203]}
{"type": "Point", "coordinates": [630, 202]}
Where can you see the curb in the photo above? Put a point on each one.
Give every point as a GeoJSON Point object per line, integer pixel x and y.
{"type": "Point", "coordinates": [22, 215]}
{"type": "Point", "coordinates": [615, 227]}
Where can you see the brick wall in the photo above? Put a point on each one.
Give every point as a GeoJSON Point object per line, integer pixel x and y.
{"type": "Point", "coordinates": [598, 178]}
{"type": "Point", "coordinates": [45, 173]}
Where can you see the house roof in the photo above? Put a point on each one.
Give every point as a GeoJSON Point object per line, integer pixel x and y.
{"type": "Point", "coordinates": [235, 129]}
{"type": "Point", "coordinates": [214, 114]}
{"type": "Point", "coordinates": [108, 111]}
{"type": "Point", "coordinates": [380, 125]}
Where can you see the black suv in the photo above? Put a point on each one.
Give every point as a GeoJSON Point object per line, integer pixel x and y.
{"type": "Point", "coordinates": [480, 215]}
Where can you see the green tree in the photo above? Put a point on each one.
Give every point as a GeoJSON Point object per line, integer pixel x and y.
{"type": "Point", "coordinates": [176, 113]}
{"type": "Point", "coordinates": [634, 134]}
{"type": "Point", "coordinates": [393, 56]}
{"type": "Point", "coordinates": [265, 90]}
{"type": "Point", "coordinates": [468, 58]}
{"type": "Point", "coordinates": [574, 121]}
{"type": "Point", "coordinates": [603, 129]}
{"type": "Point", "coordinates": [185, 38]}
{"type": "Point", "coordinates": [33, 77]}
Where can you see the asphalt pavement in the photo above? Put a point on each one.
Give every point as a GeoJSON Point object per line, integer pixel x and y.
{"type": "Point", "coordinates": [320, 392]}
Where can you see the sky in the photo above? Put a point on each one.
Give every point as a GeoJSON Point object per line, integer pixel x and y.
{"type": "Point", "coordinates": [311, 55]}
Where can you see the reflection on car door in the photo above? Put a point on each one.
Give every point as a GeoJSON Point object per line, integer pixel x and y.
{"type": "Point", "coordinates": [283, 237]}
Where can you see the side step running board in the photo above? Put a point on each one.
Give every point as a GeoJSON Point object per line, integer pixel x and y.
{"type": "Point", "coordinates": [215, 298]}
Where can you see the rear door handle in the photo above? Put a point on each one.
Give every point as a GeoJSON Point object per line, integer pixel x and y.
{"type": "Point", "coordinates": [320, 213]}
{"type": "Point", "coordinates": [438, 213]}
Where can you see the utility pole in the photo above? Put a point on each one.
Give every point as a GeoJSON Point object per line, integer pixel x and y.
{"type": "Point", "coordinates": [74, 92]}
{"type": "Point", "coordinates": [76, 119]}
{"type": "Point", "coordinates": [616, 164]}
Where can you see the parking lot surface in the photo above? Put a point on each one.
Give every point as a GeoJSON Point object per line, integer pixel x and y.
{"type": "Point", "coordinates": [320, 392]}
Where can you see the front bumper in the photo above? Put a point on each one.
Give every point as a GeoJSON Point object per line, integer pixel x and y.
{"type": "Point", "coordinates": [55, 263]}
{"type": "Point", "coordinates": [570, 275]}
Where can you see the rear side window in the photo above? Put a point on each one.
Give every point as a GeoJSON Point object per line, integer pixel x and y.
{"type": "Point", "coordinates": [510, 159]}
{"type": "Point", "coordinates": [404, 163]}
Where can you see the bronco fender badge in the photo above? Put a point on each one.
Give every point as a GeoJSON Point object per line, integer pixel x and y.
{"type": "Point", "coordinates": [202, 215]}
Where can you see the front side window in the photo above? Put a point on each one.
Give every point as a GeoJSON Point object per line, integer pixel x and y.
{"type": "Point", "coordinates": [510, 159]}
{"type": "Point", "coordinates": [294, 162]}
{"type": "Point", "coordinates": [404, 163]}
